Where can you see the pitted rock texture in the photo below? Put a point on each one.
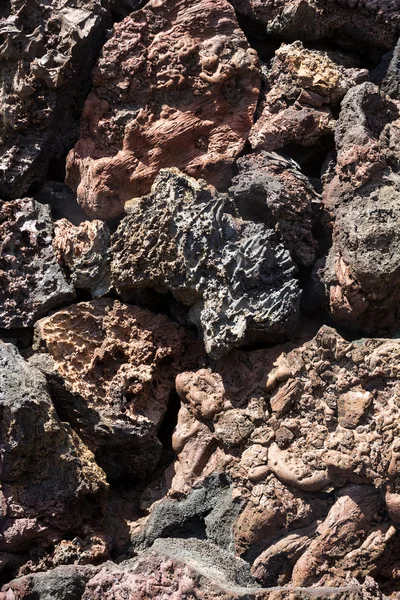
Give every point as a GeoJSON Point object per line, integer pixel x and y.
{"type": "Point", "coordinates": [272, 189]}
{"type": "Point", "coordinates": [362, 272]}
{"type": "Point", "coordinates": [46, 53]}
{"type": "Point", "coordinates": [50, 482]}
{"type": "Point", "coordinates": [362, 24]}
{"type": "Point", "coordinates": [185, 239]}
{"type": "Point", "coordinates": [31, 280]}
{"type": "Point", "coordinates": [83, 251]}
{"type": "Point", "coordinates": [119, 363]}
{"type": "Point", "coordinates": [176, 86]}
{"type": "Point", "coordinates": [302, 87]}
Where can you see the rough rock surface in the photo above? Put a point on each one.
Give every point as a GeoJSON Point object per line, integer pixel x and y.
{"type": "Point", "coordinates": [31, 280]}
{"type": "Point", "coordinates": [49, 481]}
{"type": "Point", "coordinates": [354, 24]}
{"type": "Point", "coordinates": [119, 363]}
{"type": "Point", "coordinates": [362, 271]}
{"type": "Point", "coordinates": [236, 276]}
{"type": "Point", "coordinates": [302, 87]}
{"type": "Point", "coordinates": [272, 189]}
{"type": "Point", "coordinates": [46, 53]}
{"type": "Point", "coordinates": [176, 86]}
{"type": "Point", "coordinates": [83, 250]}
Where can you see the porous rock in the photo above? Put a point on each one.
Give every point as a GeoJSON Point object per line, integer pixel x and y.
{"type": "Point", "coordinates": [362, 271]}
{"type": "Point", "coordinates": [31, 280]}
{"type": "Point", "coordinates": [83, 250]}
{"type": "Point", "coordinates": [46, 54]}
{"type": "Point", "coordinates": [176, 86]}
{"type": "Point", "coordinates": [234, 274]}
{"type": "Point", "coordinates": [50, 483]}
{"type": "Point", "coordinates": [119, 364]}
{"type": "Point", "coordinates": [272, 189]}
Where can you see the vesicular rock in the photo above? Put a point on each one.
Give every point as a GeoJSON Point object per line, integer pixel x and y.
{"type": "Point", "coordinates": [119, 363]}
{"type": "Point", "coordinates": [176, 86]}
{"type": "Point", "coordinates": [46, 53]}
{"type": "Point", "coordinates": [31, 280]}
{"type": "Point", "coordinates": [234, 274]}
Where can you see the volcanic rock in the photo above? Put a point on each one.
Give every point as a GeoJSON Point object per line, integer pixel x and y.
{"type": "Point", "coordinates": [46, 53]}
{"type": "Point", "coordinates": [234, 274]}
{"type": "Point", "coordinates": [362, 272]}
{"type": "Point", "coordinates": [50, 483]}
{"type": "Point", "coordinates": [272, 189]}
{"type": "Point", "coordinates": [119, 363]}
{"type": "Point", "coordinates": [83, 250]}
{"type": "Point", "coordinates": [176, 86]}
{"type": "Point", "coordinates": [31, 280]}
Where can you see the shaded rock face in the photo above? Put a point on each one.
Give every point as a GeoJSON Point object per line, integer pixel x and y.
{"type": "Point", "coordinates": [361, 273]}
{"type": "Point", "coordinates": [302, 87]}
{"type": "Point", "coordinates": [31, 280]}
{"type": "Point", "coordinates": [50, 483]}
{"type": "Point", "coordinates": [163, 73]}
{"type": "Point", "coordinates": [362, 24]}
{"type": "Point", "coordinates": [119, 363]}
{"type": "Point", "coordinates": [236, 276]}
{"type": "Point", "coordinates": [46, 53]}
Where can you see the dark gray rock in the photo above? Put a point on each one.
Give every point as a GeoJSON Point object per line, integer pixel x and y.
{"type": "Point", "coordinates": [62, 201]}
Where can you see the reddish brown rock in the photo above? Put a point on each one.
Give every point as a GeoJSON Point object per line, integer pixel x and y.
{"type": "Point", "coordinates": [119, 364]}
{"type": "Point", "coordinates": [176, 86]}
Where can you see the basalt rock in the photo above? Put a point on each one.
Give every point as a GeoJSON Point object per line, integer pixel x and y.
{"type": "Point", "coordinates": [236, 276]}
{"type": "Point", "coordinates": [118, 362]}
{"type": "Point", "coordinates": [272, 189]}
{"type": "Point", "coordinates": [31, 280]}
{"type": "Point", "coordinates": [366, 24]}
{"type": "Point", "coordinates": [176, 86]}
{"type": "Point", "coordinates": [50, 483]}
{"type": "Point", "coordinates": [362, 271]}
{"type": "Point", "coordinates": [302, 87]}
{"type": "Point", "coordinates": [83, 250]}
{"type": "Point", "coordinates": [46, 54]}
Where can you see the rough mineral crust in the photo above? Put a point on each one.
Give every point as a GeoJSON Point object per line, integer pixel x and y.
{"type": "Point", "coordinates": [301, 88]}
{"type": "Point", "coordinates": [31, 280]}
{"type": "Point", "coordinates": [83, 251]}
{"type": "Point", "coordinates": [49, 481]}
{"type": "Point", "coordinates": [363, 24]}
{"type": "Point", "coordinates": [46, 53]}
{"type": "Point", "coordinates": [176, 86]}
{"type": "Point", "coordinates": [272, 189]}
{"type": "Point", "coordinates": [234, 274]}
{"type": "Point", "coordinates": [119, 363]}
{"type": "Point", "coordinates": [362, 272]}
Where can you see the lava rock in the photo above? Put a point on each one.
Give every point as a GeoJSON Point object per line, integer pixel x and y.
{"type": "Point", "coordinates": [62, 202]}
{"type": "Point", "coordinates": [176, 86]}
{"type": "Point", "coordinates": [119, 363]}
{"type": "Point", "coordinates": [31, 280]}
{"type": "Point", "coordinates": [46, 54]}
{"type": "Point", "coordinates": [236, 276]}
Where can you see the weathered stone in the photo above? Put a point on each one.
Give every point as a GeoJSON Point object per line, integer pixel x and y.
{"type": "Point", "coordinates": [119, 363]}
{"type": "Point", "coordinates": [46, 53]}
{"type": "Point", "coordinates": [176, 86]}
{"type": "Point", "coordinates": [50, 483]}
{"type": "Point", "coordinates": [31, 280]}
{"type": "Point", "coordinates": [272, 189]}
{"type": "Point", "coordinates": [362, 271]}
{"type": "Point", "coordinates": [83, 250]}
{"type": "Point", "coordinates": [234, 274]}
{"type": "Point", "coordinates": [301, 88]}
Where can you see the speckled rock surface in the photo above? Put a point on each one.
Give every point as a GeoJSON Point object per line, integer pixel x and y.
{"type": "Point", "coordinates": [236, 276]}
{"type": "Point", "coordinates": [119, 363]}
{"type": "Point", "coordinates": [46, 53]}
{"type": "Point", "coordinates": [176, 86]}
{"type": "Point", "coordinates": [49, 481]}
{"type": "Point", "coordinates": [31, 280]}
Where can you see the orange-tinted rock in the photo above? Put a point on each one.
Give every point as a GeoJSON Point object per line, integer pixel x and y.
{"type": "Point", "coordinates": [176, 86]}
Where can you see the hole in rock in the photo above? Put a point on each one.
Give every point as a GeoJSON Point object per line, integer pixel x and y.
{"type": "Point", "coordinates": [310, 158]}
